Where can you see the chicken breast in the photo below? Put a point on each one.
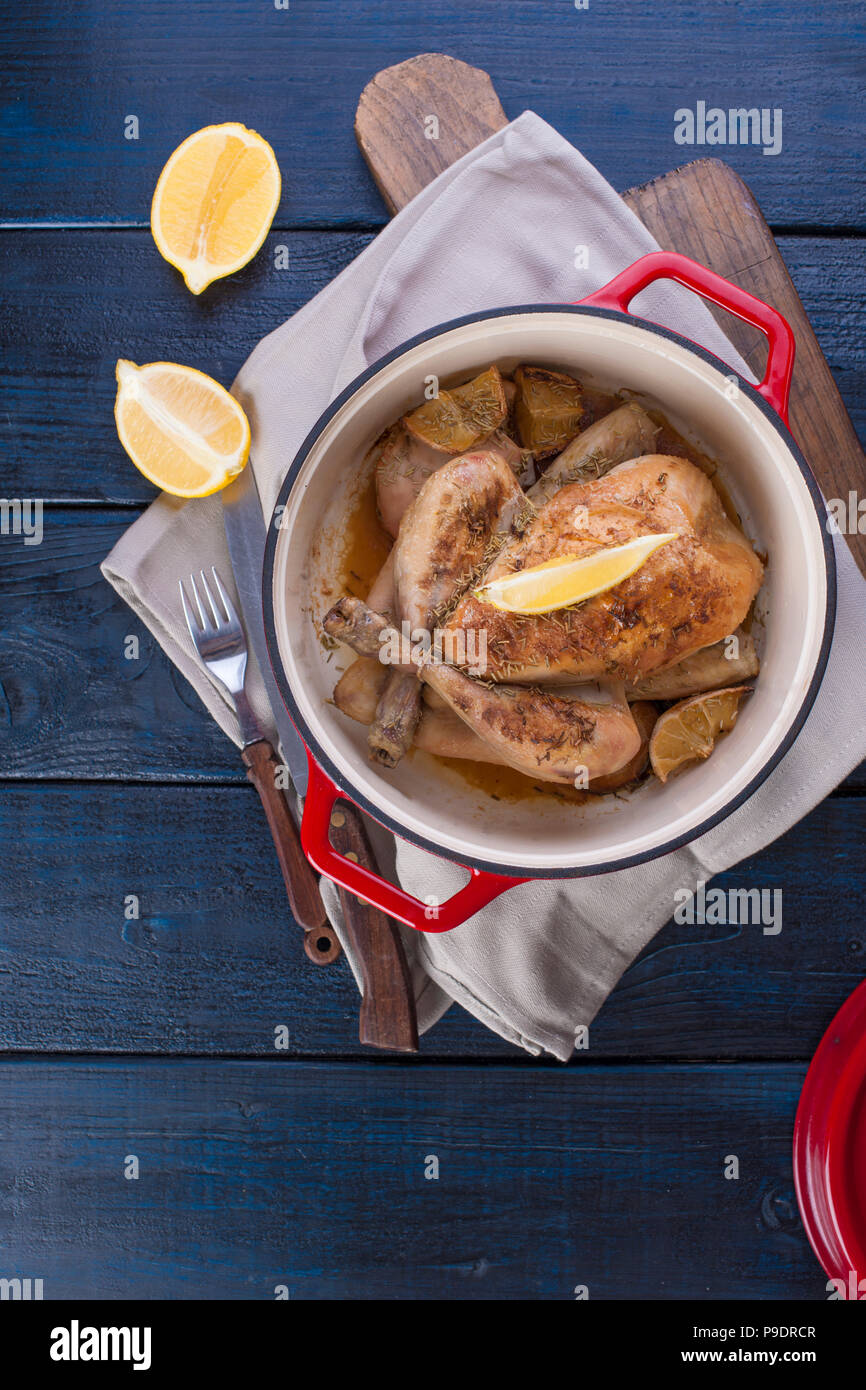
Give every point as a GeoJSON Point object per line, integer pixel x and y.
{"type": "Point", "coordinates": [689, 594]}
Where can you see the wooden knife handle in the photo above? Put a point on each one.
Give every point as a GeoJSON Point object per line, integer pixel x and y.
{"type": "Point", "coordinates": [387, 1018]}
{"type": "Point", "coordinates": [302, 886]}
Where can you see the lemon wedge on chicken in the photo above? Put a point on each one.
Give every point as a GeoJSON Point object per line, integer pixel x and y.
{"type": "Point", "coordinates": [567, 580]}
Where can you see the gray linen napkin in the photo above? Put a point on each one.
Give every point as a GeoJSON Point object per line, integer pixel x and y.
{"type": "Point", "coordinates": [502, 226]}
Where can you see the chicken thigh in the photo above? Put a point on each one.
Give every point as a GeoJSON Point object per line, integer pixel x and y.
{"type": "Point", "coordinates": [543, 733]}
{"type": "Point", "coordinates": [447, 735]}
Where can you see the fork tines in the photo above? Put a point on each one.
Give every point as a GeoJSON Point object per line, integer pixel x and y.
{"type": "Point", "coordinates": [210, 619]}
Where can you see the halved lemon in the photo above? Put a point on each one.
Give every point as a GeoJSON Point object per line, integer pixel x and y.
{"type": "Point", "coordinates": [566, 580]}
{"type": "Point", "coordinates": [688, 730]}
{"type": "Point", "coordinates": [181, 429]}
{"type": "Point", "coordinates": [214, 202]}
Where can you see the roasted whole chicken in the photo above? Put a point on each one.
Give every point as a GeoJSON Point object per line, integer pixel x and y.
{"type": "Point", "coordinates": [457, 660]}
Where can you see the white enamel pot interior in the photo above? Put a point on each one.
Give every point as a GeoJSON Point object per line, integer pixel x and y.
{"type": "Point", "coordinates": [770, 485]}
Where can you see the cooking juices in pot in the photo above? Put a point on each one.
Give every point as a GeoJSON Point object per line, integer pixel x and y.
{"type": "Point", "coordinates": [544, 586]}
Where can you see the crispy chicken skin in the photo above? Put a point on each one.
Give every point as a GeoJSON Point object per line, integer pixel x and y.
{"type": "Point", "coordinates": [689, 594]}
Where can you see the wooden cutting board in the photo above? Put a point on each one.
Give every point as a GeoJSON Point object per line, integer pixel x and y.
{"type": "Point", "coordinates": [703, 210]}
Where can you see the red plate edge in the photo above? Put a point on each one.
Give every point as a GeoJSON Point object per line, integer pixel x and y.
{"type": "Point", "coordinates": [830, 1148]}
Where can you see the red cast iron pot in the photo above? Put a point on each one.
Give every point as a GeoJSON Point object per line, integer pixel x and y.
{"type": "Point", "coordinates": [741, 425]}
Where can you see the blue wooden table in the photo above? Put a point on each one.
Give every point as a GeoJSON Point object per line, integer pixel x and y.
{"type": "Point", "coordinates": [153, 1037]}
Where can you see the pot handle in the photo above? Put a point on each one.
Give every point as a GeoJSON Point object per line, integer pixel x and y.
{"type": "Point", "coordinates": [481, 889]}
{"type": "Point", "coordinates": [669, 265]}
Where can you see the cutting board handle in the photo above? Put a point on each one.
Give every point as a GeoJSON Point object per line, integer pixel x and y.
{"type": "Point", "coordinates": [416, 119]}
{"type": "Point", "coordinates": [670, 265]}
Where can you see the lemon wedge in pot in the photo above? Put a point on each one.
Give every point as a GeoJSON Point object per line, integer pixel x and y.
{"type": "Point", "coordinates": [688, 730]}
{"type": "Point", "coordinates": [455, 421]}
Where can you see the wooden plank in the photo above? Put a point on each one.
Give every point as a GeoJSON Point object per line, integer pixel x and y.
{"type": "Point", "coordinates": [213, 963]}
{"type": "Point", "coordinates": [71, 703]}
{"type": "Point", "coordinates": [822, 286]}
{"type": "Point", "coordinates": [610, 82]}
{"type": "Point", "coordinates": [74, 302]}
{"type": "Point", "coordinates": [400, 100]}
{"type": "Point", "coordinates": [258, 1175]}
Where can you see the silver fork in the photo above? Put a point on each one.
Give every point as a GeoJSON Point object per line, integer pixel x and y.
{"type": "Point", "coordinates": [221, 643]}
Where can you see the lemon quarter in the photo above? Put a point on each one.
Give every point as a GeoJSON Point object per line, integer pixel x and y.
{"type": "Point", "coordinates": [214, 202]}
{"type": "Point", "coordinates": [566, 580]}
{"type": "Point", "coordinates": [688, 730]}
